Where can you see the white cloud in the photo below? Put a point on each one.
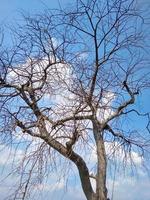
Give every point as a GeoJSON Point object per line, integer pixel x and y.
{"type": "Point", "coordinates": [105, 108]}
{"type": "Point", "coordinates": [50, 187]}
{"type": "Point", "coordinates": [127, 187]}
{"type": "Point", "coordinates": [59, 82]}
{"type": "Point", "coordinates": [35, 69]}
{"type": "Point", "coordinates": [10, 155]}
{"type": "Point", "coordinates": [116, 151]}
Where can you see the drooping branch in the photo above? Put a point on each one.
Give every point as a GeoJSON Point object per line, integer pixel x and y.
{"type": "Point", "coordinates": [77, 160]}
{"type": "Point", "coordinates": [71, 155]}
{"type": "Point", "coordinates": [125, 139]}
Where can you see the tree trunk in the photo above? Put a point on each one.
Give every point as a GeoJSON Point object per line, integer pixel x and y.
{"type": "Point", "coordinates": [101, 190]}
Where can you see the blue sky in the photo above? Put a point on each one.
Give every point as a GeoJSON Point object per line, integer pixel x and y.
{"type": "Point", "coordinates": [135, 188]}
{"type": "Point", "coordinates": [9, 9]}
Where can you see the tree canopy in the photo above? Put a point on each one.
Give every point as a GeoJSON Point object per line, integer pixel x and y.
{"type": "Point", "coordinates": [69, 84]}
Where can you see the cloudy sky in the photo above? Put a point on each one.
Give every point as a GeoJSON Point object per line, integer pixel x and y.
{"type": "Point", "coordinates": [132, 186]}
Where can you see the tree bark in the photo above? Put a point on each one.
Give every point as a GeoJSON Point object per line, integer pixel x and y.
{"type": "Point", "coordinates": [80, 164]}
{"type": "Point", "coordinates": [84, 176]}
{"type": "Point", "coordinates": [101, 190]}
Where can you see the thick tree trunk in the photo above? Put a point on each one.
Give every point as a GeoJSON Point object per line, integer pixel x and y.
{"type": "Point", "coordinates": [84, 176]}
{"type": "Point", "coordinates": [101, 190]}
{"type": "Point", "coordinates": [77, 160]}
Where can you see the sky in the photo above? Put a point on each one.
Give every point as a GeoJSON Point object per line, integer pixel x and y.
{"type": "Point", "coordinates": [128, 187]}
{"type": "Point", "coordinates": [10, 9]}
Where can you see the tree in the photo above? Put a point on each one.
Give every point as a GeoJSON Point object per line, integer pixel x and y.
{"type": "Point", "coordinates": [71, 78]}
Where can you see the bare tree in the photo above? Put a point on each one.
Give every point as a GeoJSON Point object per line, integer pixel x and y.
{"type": "Point", "coordinates": [71, 79]}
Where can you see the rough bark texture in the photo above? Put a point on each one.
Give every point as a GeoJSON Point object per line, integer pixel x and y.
{"type": "Point", "coordinates": [101, 190]}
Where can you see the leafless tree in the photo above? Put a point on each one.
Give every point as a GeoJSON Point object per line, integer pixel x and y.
{"type": "Point", "coordinates": [71, 79]}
